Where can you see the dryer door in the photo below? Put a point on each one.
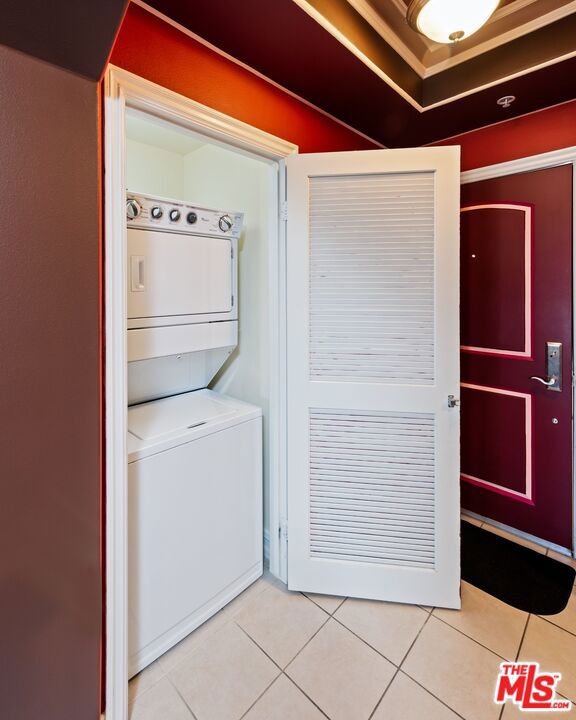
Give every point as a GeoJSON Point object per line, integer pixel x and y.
{"type": "Point", "coordinates": [178, 275]}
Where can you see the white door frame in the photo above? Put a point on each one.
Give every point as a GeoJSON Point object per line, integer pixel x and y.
{"type": "Point", "coordinates": [566, 156]}
{"type": "Point", "coordinates": [126, 90]}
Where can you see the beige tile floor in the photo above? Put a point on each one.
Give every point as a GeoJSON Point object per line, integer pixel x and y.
{"type": "Point", "coordinates": [276, 655]}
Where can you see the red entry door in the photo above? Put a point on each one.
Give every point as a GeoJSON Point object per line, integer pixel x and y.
{"type": "Point", "coordinates": [516, 296]}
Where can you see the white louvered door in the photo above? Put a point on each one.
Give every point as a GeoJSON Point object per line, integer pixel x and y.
{"type": "Point", "coordinates": [372, 356]}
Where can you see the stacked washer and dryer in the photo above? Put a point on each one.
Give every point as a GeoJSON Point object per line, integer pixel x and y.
{"type": "Point", "coordinates": [194, 455]}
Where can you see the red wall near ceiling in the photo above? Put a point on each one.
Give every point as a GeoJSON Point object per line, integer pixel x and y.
{"type": "Point", "coordinates": [153, 49]}
{"type": "Point", "coordinates": [539, 132]}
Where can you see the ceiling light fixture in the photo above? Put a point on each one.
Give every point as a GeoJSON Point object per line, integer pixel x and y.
{"type": "Point", "coordinates": [447, 21]}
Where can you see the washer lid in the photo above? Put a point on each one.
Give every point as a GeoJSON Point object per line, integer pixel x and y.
{"type": "Point", "coordinates": [176, 414]}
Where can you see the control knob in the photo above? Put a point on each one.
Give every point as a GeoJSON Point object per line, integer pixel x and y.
{"type": "Point", "coordinates": [174, 215]}
{"type": "Point", "coordinates": [225, 223]}
{"type": "Point", "coordinates": [132, 209]}
{"type": "Point", "coordinates": [191, 218]}
{"type": "Point", "coordinates": [156, 212]}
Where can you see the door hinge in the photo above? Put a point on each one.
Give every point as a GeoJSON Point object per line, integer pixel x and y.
{"type": "Point", "coordinates": [283, 531]}
{"type": "Point", "coordinates": [283, 211]}
{"type": "Point", "coordinates": [232, 251]}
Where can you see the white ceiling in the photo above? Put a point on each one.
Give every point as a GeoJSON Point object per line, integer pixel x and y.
{"type": "Point", "coordinates": [152, 131]}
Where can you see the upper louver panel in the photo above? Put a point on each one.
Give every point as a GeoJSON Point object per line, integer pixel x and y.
{"type": "Point", "coordinates": [372, 256]}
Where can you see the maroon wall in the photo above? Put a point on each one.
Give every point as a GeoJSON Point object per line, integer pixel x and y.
{"type": "Point", "coordinates": [551, 129]}
{"type": "Point", "coordinates": [50, 578]}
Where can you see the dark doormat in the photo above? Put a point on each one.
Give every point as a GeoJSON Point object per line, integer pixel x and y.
{"type": "Point", "coordinates": [517, 575]}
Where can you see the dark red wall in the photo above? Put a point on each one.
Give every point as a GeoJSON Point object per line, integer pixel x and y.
{"type": "Point", "coordinates": [153, 49]}
{"type": "Point", "coordinates": [539, 132]}
{"type": "Point", "coordinates": [50, 574]}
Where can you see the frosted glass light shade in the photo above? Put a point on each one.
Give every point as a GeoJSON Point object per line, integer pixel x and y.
{"type": "Point", "coordinates": [447, 21]}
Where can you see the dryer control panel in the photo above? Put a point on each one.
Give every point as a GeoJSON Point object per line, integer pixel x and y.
{"type": "Point", "coordinates": [146, 212]}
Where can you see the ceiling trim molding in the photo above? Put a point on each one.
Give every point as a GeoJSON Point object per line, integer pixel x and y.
{"type": "Point", "coordinates": [372, 17]}
{"type": "Point", "coordinates": [512, 76]}
{"type": "Point", "coordinates": [509, 9]}
{"type": "Point", "coordinates": [336, 33]}
{"type": "Point", "coordinates": [402, 8]}
{"type": "Point", "coordinates": [502, 39]}
{"type": "Point", "coordinates": [364, 9]}
{"type": "Point", "coordinates": [330, 28]}
{"type": "Point", "coordinates": [231, 58]}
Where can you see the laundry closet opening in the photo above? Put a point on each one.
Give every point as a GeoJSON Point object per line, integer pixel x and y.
{"type": "Point", "coordinates": [201, 216]}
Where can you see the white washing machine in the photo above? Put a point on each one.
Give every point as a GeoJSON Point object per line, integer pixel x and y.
{"type": "Point", "coordinates": [194, 455]}
{"type": "Point", "coordinates": [194, 514]}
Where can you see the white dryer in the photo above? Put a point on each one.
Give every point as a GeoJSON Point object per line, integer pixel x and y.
{"type": "Point", "coordinates": [182, 300]}
{"type": "Point", "coordinates": [194, 456]}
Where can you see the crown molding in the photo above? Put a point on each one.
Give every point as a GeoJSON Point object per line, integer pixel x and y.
{"type": "Point", "coordinates": [502, 39]}
{"type": "Point", "coordinates": [372, 17]}
{"type": "Point", "coordinates": [509, 9]}
{"type": "Point", "coordinates": [349, 45]}
{"type": "Point", "coordinates": [499, 81]}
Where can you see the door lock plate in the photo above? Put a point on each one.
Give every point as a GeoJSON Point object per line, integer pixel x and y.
{"type": "Point", "coordinates": [553, 379]}
{"type": "Point", "coordinates": [554, 365]}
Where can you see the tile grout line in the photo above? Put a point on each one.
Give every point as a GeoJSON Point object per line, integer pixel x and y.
{"type": "Point", "coordinates": [181, 697]}
{"type": "Point", "coordinates": [550, 622]}
{"type": "Point", "coordinates": [342, 624]}
{"type": "Point", "coordinates": [329, 617]}
{"type": "Point", "coordinates": [143, 692]}
{"type": "Point", "coordinates": [399, 666]}
{"type": "Point", "coordinates": [443, 702]}
{"type": "Point", "coordinates": [320, 606]}
{"type": "Point", "coordinates": [269, 658]}
{"type": "Point", "coordinates": [306, 695]}
{"type": "Point", "coordinates": [384, 693]}
{"type": "Point", "coordinates": [400, 669]}
{"type": "Point", "coordinates": [522, 638]}
{"type": "Point", "coordinates": [520, 648]}
{"type": "Point", "coordinates": [414, 641]}
{"type": "Point", "coordinates": [258, 646]}
{"type": "Point", "coordinates": [471, 638]}
{"type": "Point", "coordinates": [226, 617]}
{"type": "Point", "coordinates": [261, 695]}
